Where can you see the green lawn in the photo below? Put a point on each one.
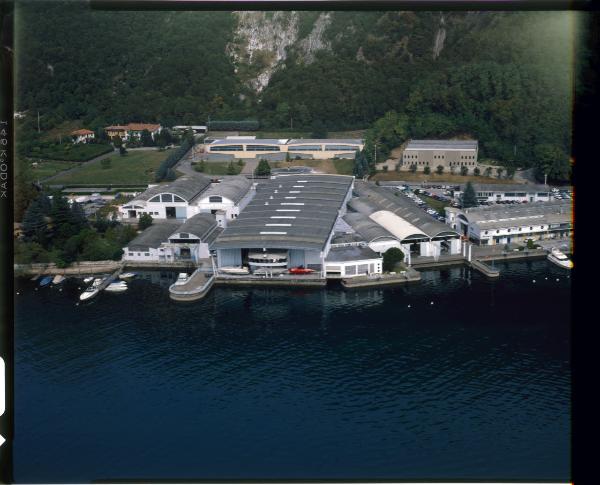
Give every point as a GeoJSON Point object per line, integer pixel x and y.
{"type": "Point", "coordinates": [71, 153]}
{"type": "Point", "coordinates": [218, 168]}
{"type": "Point", "coordinates": [344, 166]}
{"type": "Point", "coordinates": [48, 168]}
{"type": "Point", "coordinates": [133, 168]}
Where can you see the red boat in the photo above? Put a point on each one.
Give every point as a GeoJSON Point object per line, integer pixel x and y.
{"type": "Point", "coordinates": [301, 270]}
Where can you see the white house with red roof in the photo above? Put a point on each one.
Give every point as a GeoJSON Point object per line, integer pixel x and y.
{"type": "Point", "coordinates": [82, 136]}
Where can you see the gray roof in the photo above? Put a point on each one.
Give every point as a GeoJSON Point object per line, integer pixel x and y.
{"type": "Point", "coordinates": [336, 141]}
{"type": "Point", "coordinates": [373, 198]}
{"type": "Point", "coordinates": [528, 188]}
{"type": "Point", "coordinates": [187, 187]}
{"type": "Point", "coordinates": [250, 141]}
{"type": "Point", "coordinates": [367, 228]}
{"type": "Point", "coordinates": [351, 253]}
{"type": "Point", "coordinates": [441, 144]}
{"type": "Point", "coordinates": [343, 237]}
{"type": "Point", "coordinates": [233, 188]}
{"type": "Point", "coordinates": [552, 212]}
{"type": "Point", "coordinates": [304, 207]}
{"type": "Point", "coordinates": [199, 225]}
{"type": "Point", "coordinates": [153, 236]}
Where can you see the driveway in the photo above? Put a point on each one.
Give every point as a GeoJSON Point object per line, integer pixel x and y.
{"type": "Point", "coordinates": [81, 165]}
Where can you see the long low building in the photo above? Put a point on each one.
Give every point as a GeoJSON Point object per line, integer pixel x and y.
{"type": "Point", "coordinates": [240, 147]}
{"type": "Point", "coordinates": [417, 232]}
{"type": "Point", "coordinates": [190, 195]}
{"type": "Point", "coordinates": [513, 223]}
{"type": "Point", "coordinates": [447, 153]}
{"type": "Point", "coordinates": [509, 192]}
{"type": "Point", "coordinates": [289, 223]}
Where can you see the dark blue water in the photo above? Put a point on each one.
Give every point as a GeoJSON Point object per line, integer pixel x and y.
{"type": "Point", "coordinates": [260, 383]}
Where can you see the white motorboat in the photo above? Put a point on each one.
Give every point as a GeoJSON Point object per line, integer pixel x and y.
{"type": "Point", "coordinates": [127, 276]}
{"type": "Point", "coordinates": [181, 279]}
{"type": "Point", "coordinates": [234, 270]}
{"type": "Point", "coordinates": [560, 259]}
{"type": "Point", "coordinates": [116, 287]}
{"type": "Point", "coordinates": [92, 291]}
{"type": "Point", "coordinates": [58, 279]}
{"type": "Point", "coordinates": [89, 279]}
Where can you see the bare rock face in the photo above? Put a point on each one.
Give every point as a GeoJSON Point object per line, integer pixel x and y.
{"type": "Point", "coordinates": [315, 41]}
{"type": "Point", "coordinates": [440, 37]}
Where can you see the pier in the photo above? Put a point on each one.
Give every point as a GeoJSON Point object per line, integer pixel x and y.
{"type": "Point", "coordinates": [195, 288]}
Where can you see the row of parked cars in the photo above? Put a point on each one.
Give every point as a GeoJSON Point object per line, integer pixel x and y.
{"type": "Point", "coordinates": [422, 204]}
{"type": "Point", "coordinates": [562, 194]}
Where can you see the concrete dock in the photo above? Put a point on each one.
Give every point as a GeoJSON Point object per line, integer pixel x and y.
{"type": "Point", "coordinates": [195, 288]}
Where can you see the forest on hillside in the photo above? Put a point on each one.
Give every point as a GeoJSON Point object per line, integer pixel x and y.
{"type": "Point", "coordinates": [505, 78]}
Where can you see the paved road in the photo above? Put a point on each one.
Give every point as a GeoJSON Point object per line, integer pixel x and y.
{"type": "Point", "coordinates": [80, 166]}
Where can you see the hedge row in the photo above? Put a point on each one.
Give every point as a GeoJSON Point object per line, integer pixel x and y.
{"type": "Point", "coordinates": [164, 170]}
{"type": "Point", "coordinates": [246, 125]}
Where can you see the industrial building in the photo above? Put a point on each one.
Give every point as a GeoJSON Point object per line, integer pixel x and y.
{"type": "Point", "coordinates": [244, 147]}
{"type": "Point", "coordinates": [416, 231]}
{"type": "Point", "coordinates": [170, 241]}
{"type": "Point", "coordinates": [291, 219]}
{"type": "Point", "coordinates": [509, 192]}
{"type": "Point", "coordinates": [190, 195]}
{"type": "Point", "coordinates": [450, 154]}
{"type": "Point", "coordinates": [513, 223]}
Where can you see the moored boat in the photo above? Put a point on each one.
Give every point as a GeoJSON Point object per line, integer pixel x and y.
{"type": "Point", "coordinates": [46, 280]}
{"type": "Point", "coordinates": [89, 279]}
{"type": "Point", "coordinates": [234, 270]}
{"type": "Point", "coordinates": [127, 276]}
{"type": "Point", "coordinates": [181, 279]}
{"type": "Point", "coordinates": [559, 258]}
{"type": "Point", "coordinates": [116, 287]}
{"type": "Point", "coordinates": [58, 279]}
{"type": "Point", "coordinates": [92, 291]}
{"type": "Point", "coordinates": [301, 270]}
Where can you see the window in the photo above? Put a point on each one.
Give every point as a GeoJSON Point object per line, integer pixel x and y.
{"type": "Point", "coordinates": [131, 254]}
{"type": "Point", "coordinates": [226, 148]}
{"type": "Point", "coordinates": [166, 198]}
{"type": "Point", "coordinates": [262, 148]}
{"type": "Point", "coordinates": [215, 198]}
{"type": "Point", "coordinates": [184, 235]}
{"type": "Point", "coordinates": [305, 148]}
{"type": "Point", "coordinates": [146, 254]}
{"type": "Point", "coordinates": [156, 198]}
{"type": "Point", "coordinates": [176, 198]}
{"type": "Point", "coordinates": [349, 148]}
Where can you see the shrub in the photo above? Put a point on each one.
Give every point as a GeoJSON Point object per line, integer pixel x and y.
{"type": "Point", "coordinates": [391, 258]}
{"type": "Point", "coordinates": [145, 222]}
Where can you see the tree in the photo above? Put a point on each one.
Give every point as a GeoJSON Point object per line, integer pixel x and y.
{"type": "Point", "coordinates": [146, 139]}
{"type": "Point", "coordinates": [231, 169]}
{"type": "Point", "coordinates": [488, 172]}
{"type": "Point", "coordinates": [550, 160]}
{"type": "Point", "coordinates": [145, 221]}
{"type": "Point", "coordinates": [201, 167]}
{"type": "Point", "coordinates": [499, 172]}
{"type": "Point", "coordinates": [171, 175]}
{"type": "Point", "coordinates": [263, 169]}
{"type": "Point", "coordinates": [476, 171]}
{"type": "Point", "coordinates": [469, 199]}
{"type": "Point", "coordinates": [413, 168]}
{"type": "Point", "coordinates": [464, 170]}
{"type": "Point", "coordinates": [426, 170]}
{"type": "Point", "coordinates": [439, 169]}
{"type": "Point", "coordinates": [391, 258]}
{"type": "Point", "coordinates": [510, 172]}
{"type": "Point", "coordinates": [359, 171]}
{"type": "Point", "coordinates": [319, 130]}
{"type": "Point", "coordinates": [117, 142]}
{"type": "Point", "coordinates": [35, 224]}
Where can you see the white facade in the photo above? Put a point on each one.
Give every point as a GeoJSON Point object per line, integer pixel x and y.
{"type": "Point", "coordinates": [350, 269]}
{"type": "Point", "coordinates": [83, 138]}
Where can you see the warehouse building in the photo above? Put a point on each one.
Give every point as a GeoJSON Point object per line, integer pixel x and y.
{"type": "Point", "coordinates": [244, 147]}
{"type": "Point", "coordinates": [375, 236]}
{"type": "Point", "coordinates": [418, 232]}
{"type": "Point", "coordinates": [190, 195]}
{"type": "Point", "coordinates": [170, 241]}
{"type": "Point", "coordinates": [513, 223]}
{"type": "Point", "coordinates": [450, 154]}
{"type": "Point", "coordinates": [351, 260]}
{"type": "Point", "coordinates": [509, 192]}
{"type": "Point", "coordinates": [291, 219]}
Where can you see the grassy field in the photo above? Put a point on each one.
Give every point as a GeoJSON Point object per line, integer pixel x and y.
{"type": "Point", "coordinates": [433, 178]}
{"type": "Point", "coordinates": [49, 168]}
{"type": "Point", "coordinates": [333, 166]}
{"type": "Point", "coordinates": [217, 168]}
{"type": "Point", "coordinates": [72, 153]}
{"type": "Point", "coordinates": [134, 168]}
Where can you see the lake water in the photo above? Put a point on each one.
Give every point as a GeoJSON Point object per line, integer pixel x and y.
{"type": "Point", "coordinates": [279, 383]}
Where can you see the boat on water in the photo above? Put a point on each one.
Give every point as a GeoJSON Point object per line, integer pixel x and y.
{"type": "Point", "coordinates": [127, 276]}
{"type": "Point", "coordinates": [34, 278]}
{"type": "Point", "coordinates": [181, 279]}
{"type": "Point", "coordinates": [560, 259]}
{"type": "Point", "coordinates": [46, 280]}
{"type": "Point", "coordinates": [116, 287]}
{"type": "Point", "coordinates": [92, 291]}
{"type": "Point", "coordinates": [301, 270]}
{"type": "Point", "coordinates": [58, 279]}
{"type": "Point", "coordinates": [269, 271]}
{"type": "Point", "coordinates": [89, 279]}
{"type": "Point", "coordinates": [234, 270]}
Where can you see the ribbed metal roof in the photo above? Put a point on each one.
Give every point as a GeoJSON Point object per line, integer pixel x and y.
{"type": "Point", "coordinates": [326, 141]}
{"type": "Point", "coordinates": [373, 198]}
{"type": "Point", "coordinates": [351, 253]}
{"type": "Point", "coordinates": [187, 187]}
{"type": "Point", "coordinates": [367, 228]}
{"type": "Point", "coordinates": [552, 212]}
{"type": "Point", "coordinates": [249, 141]}
{"type": "Point", "coordinates": [441, 145]}
{"type": "Point", "coordinates": [233, 188]}
{"type": "Point", "coordinates": [153, 236]}
{"type": "Point", "coordinates": [291, 211]}
{"type": "Point", "coordinates": [199, 225]}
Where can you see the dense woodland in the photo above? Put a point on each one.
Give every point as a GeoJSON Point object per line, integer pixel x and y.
{"type": "Point", "coordinates": [504, 78]}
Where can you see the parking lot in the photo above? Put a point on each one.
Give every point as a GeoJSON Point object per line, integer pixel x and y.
{"type": "Point", "coordinates": [439, 194]}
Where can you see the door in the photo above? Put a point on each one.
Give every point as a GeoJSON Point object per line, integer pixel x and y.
{"type": "Point", "coordinates": [171, 213]}
{"type": "Point", "coordinates": [132, 214]}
